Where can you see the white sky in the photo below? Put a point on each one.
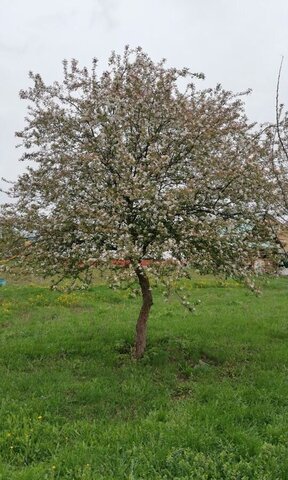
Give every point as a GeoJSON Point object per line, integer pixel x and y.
{"type": "Point", "coordinates": [238, 43]}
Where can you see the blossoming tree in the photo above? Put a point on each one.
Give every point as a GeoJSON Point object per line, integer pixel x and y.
{"type": "Point", "coordinates": [134, 163]}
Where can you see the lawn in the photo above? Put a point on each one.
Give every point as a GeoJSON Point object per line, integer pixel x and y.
{"type": "Point", "coordinates": [208, 401]}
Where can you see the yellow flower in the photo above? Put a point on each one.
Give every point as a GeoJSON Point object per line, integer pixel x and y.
{"type": "Point", "coordinates": [40, 417]}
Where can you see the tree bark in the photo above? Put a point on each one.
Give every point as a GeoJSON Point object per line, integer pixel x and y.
{"type": "Point", "coordinates": [147, 302]}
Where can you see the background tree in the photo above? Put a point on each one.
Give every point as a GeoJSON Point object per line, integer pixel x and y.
{"type": "Point", "coordinates": [130, 165]}
{"type": "Point", "coordinates": [278, 163]}
{"type": "Point", "coordinates": [277, 169]}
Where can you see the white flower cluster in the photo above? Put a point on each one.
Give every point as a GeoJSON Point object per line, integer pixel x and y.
{"type": "Point", "coordinates": [129, 168]}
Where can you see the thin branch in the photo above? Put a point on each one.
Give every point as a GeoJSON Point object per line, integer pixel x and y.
{"type": "Point", "coordinates": [278, 111]}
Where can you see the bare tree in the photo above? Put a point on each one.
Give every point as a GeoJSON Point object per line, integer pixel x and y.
{"type": "Point", "coordinates": [277, 165]}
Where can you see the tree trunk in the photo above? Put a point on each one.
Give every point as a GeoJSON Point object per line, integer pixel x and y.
{"type": "Point", "coordinates": [147, 302]}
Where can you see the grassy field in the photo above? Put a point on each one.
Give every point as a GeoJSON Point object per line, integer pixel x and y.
{"type": "Point", "coordinates": [208, 401]}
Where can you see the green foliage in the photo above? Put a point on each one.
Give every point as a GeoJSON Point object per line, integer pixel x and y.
{"type": "Point", "coordinates": [207, 401]}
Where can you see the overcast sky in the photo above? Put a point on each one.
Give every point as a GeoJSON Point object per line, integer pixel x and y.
{"type": "Point", "coordinates": [238, 43]}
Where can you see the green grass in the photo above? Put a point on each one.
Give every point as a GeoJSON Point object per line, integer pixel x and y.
{"type": "Point", "coordinates": [208, 401]}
